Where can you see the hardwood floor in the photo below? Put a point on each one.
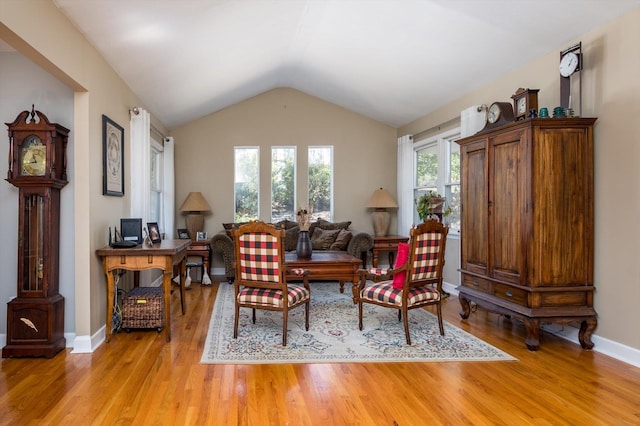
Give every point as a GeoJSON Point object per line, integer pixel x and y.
{"type": "Point", "coordinates": [139, 379]}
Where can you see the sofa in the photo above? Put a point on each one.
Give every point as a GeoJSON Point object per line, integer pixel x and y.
{"type": "Point", "coordinates": [324, 235]}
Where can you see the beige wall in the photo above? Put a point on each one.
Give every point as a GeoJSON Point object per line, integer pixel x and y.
{"type": "Point", "coordinates": [364, 154]}
{"type": "Point", "coordinates": [28, 27]}
{"type": "Point", "coordinates": [611, 92]}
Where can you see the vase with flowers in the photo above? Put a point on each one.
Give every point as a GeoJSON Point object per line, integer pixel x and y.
{"type": "Point", "coordinates": [303, 217]}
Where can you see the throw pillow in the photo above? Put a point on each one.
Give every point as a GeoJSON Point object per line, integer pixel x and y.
{"type": "Point", "coordinates": [286, 224]}
{"type": "Point", "coordinates": [323, 238]}
{"type": "Point", "coordinates": [401, 259]}
{"type": "Point", "coordinates": [342, 240]}
{"type": "Point", "coordinates": [291, 238]}
{"type": "Point", "coordinates": [325, 224]}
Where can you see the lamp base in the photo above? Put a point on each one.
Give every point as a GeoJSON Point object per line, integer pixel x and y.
{"type": "Point", "coordinates": [380, 219]}
{"type": "Point", "coordinates": [195, 224]}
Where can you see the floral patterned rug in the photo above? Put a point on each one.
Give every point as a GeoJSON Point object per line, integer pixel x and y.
{"type": "Point", "coordinates": [334, 336]}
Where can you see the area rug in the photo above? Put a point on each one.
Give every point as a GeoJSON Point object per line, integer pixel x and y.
{"type": "Point", "coordinates": [333, 335]}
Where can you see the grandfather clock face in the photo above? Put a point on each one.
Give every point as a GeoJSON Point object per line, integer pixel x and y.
{"type": "Point", "coordinates": [33, 156]}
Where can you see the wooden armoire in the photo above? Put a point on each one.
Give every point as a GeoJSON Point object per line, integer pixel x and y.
{"type": "Point", "coordinates": [527, 224]}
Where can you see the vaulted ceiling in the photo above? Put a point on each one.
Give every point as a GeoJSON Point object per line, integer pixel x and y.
{"type": "Point", "coordinates": [391, 60]}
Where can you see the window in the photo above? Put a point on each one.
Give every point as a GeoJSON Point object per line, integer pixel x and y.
{"type": "Point", "coordinates": [437, 168]}
{"type": "Point", "coordinates": [246, 183]}
{"type": "Point", "coordinates": [156, 184]}
{"type": "Point", "coordinates": [321, 181]}
{"type": "Point", "coordinates": [283, 183]}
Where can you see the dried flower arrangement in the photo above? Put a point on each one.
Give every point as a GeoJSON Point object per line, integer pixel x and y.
{"type": "Point", "coordinates": [303, 217]}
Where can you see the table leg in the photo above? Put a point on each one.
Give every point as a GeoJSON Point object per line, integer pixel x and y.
{"type": "Point", "coordinates": [166, 290]}
{"type": "Point", "coordinates": [374, 258]}
{"type": "Point", "coordinates": [183, 276]}
{"type": "Point", "coordinates": [110, 293]}
{"type": "Point", "coordinates": [206, 280]}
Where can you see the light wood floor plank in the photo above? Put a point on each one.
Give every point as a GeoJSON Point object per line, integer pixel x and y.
{"type": "Point", "coordinates": [137, 378]}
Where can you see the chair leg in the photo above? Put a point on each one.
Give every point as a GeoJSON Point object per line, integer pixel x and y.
{"type": "Point", "coordinates": [253, 316]}
{"type": "Point", "coordinates": [235, 322]}
{"type": "Point", "coordinates": [406, 327]}
{"type": "Point", "coordinates": [439, 310]}
{"type": "Point", "coordinates": [284, 327]}
{"type": "Point", "coordinates": [306, 314]}
{"type": "Point", "coordinates": [399, 315]}
{"type": "Point", "coordinates": [360, 315]}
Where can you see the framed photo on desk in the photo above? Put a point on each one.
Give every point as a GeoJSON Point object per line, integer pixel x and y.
{"type": "Point", "coordinates": [201, 236]}
{"type": "Point", "coordinates": [154, 232]}
{"type": "Point", "coordinates": [183, 234]}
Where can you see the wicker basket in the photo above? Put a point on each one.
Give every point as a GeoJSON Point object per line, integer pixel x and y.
{"type": "Point", "coordinates": [143, 307]}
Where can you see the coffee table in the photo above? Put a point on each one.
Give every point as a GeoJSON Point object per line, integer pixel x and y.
{"type": "Point", "coordinates": [328, 265]}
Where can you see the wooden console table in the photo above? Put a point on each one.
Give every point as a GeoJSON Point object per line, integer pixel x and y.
{"type": "Point", "coordinates": [387, 243]}
{"type": "Point", "coordinates": [160, 256]}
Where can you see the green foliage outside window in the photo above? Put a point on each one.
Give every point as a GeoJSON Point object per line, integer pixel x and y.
{"type": "Point", "coordinates": [282, 184]}
{"type": "Point", "coordinates": [320, 178]}
{"type": "Point", "coordinates": [246, 184]}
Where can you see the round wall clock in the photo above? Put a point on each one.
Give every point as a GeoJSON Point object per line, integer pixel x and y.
{"type": "Point", "coordinates": [571, 62]}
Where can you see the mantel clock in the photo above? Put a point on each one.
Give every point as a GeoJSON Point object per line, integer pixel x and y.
{"type": "Point", "coordinates": [38, 168]}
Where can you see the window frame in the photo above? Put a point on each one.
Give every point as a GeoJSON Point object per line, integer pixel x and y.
{"type": "Point", "coordinates": [295, 182]}
{"type": "Point", "coordinates": [156, 183]}
{"type": "Point", "coordinates": [443, 142]}
{"type": "Point", "coordinates": [331, 148]}
{"type": "Point", "coordinates": [235, 171]}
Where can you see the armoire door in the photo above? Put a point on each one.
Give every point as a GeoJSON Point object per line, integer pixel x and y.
{"type": "Point", "coordinates": [508, 213]}
{"type": "Point", "coordinates": [474, 216]}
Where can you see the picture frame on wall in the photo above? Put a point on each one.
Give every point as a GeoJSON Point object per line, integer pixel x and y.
{"type": "Point", "coordinates": [112, 158]}
{"type": "Point", "coordinates": [154, 232]}
{"type": "Point", "coordinates": [183, 234]}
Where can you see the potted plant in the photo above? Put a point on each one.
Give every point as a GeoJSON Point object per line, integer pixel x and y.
{"type": "Point", "coordinates": [431, 203]}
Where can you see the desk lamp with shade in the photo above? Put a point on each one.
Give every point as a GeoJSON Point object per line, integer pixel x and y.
{"type": "Point", "coordinates": [380, 201]}
{"type": "Point", "coordinates": [194, 205]}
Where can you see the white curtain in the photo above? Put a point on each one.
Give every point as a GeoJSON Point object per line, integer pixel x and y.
{"type": "Point", "coordinates": [140, 164]}
{"type": "Point", "coordinates": [168, 189]}
{"type": "Point", "coordinates": [405, 184]}
{"type": "Point", "coordinates": [472, 120]}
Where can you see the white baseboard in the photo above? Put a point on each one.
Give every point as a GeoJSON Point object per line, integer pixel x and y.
{"type": "Point", "coordinates": [605, 346]}
{"type": "Point", "coordinates": [218, 272]}
{"type": "Point", "coordinates": [88, 344]}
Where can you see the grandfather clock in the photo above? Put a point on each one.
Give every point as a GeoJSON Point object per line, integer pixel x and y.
{"type": "Point", "coordinates": [38, 168]}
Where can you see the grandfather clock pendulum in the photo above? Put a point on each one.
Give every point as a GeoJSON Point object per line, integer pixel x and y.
{"type": "Point", "coordinates": [38, 168]}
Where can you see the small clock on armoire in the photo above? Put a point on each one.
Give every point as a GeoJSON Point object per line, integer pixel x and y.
{"type": "Point", "coordinates": [38, 168]}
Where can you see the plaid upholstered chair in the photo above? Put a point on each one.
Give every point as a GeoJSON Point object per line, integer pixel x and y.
{"type": "Point", "coordinates": [413, 285]}
{"type": "Point", "coordinates": [261, 275]}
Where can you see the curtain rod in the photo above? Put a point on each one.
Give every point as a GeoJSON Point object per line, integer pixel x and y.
{"type": "Point", "coordinates": [155, 130]}
{"type": "Point", "coordinates": [135, 111]}
{"type": "Point", "coordinates": [423, 134]}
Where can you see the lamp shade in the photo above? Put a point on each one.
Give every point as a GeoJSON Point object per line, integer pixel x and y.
{"type": "Point", "coordinates": [381, 199]}
{"type": "Point", "coordinates": [195, 202]}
